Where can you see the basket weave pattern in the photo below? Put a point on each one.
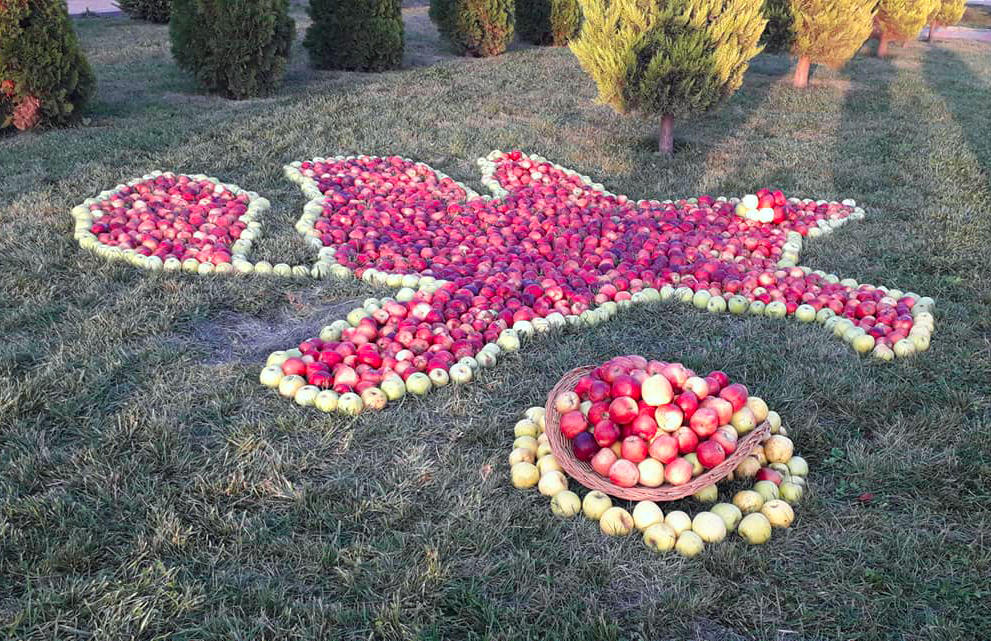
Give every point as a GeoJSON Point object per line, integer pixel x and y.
{"type": "Point", "coordinates": [592, 480]}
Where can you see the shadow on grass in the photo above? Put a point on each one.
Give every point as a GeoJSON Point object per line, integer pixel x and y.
{"type": "Point", "coordinates": [867, 101]}
{"type": "Point", "coordinates": [967, 96]}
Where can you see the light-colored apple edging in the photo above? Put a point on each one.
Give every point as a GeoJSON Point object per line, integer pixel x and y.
{"type": "Point", "coordinates": [395, 388]}
{"type": "Point", "coordinates": [752, 512]}
{"type": "Point", "coordinates": [239, 249]}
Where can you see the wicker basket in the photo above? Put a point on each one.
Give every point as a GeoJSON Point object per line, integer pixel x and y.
{"type": "Point", "coordinates": [589, 478]}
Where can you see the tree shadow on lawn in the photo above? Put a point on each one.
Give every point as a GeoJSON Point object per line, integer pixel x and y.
{"type": "Point", "coordinates": [862, 132]}
{"type": "Point", "coordinates": [962, 115]}
{"type": "Point", "coordinates": [967, 97]}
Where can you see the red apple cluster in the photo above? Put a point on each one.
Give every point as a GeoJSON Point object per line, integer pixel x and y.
{"type": "Point", "coordinates": [631, 409]}
{"type": "Point", "coordinates": [552, 243]}
{"type": "Point", "coordinates": [172, 216]}
{"type": "Point", "coordinates": [398, 338]}
{"type": "Point", "coordinates": [555, 243]}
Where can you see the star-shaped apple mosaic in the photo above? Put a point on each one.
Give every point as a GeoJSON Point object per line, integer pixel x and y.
{"type": "Point", "coordinates": [550, 249]}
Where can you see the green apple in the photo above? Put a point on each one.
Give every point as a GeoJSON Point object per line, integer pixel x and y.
{"type": "Point", "coordinates": [805, 313]}
{"type": "Point", "coordinates": [776, 309]}
{"type": "Point", "coordinates": [738, 305]}
{"type": "Point", "coordinates": [716, 305]}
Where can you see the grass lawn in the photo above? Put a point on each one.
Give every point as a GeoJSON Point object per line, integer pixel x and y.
{"type": "Point", "coordinates": [150, 489]}
{"type": "Point", "coordinates": [978, 16]}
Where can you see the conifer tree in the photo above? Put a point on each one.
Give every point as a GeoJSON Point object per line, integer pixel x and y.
{"type": "Point", "coordinates": [673, 58]}
{"type": "Point", "coordinates": [355, 35]}
{"type": "Point", "coordinates": [44, 76]}
{"type": "Point", "coordinates": [829, 32]}
{"type": "Point", "coordinates": [946, 14]}
{"type": "Point", "coordinates": [548, 22]}
{"type": "Point", "coordinates": [779, 34]}
{"type": "Point", "coordinates": [901, 21]}
{"type": "Point", "coordinates": [475, 27]}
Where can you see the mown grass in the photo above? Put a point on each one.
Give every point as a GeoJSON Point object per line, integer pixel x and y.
{"type": "Point", "coordinates": [149, 489]}
{"type": "Point", "coordinates": [977, 16]}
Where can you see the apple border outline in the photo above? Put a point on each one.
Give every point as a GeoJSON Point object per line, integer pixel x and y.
{"type": "Point", "coordinates": [410, 283]}
{"type": "Point", "coordinates": [528, 415]}
{"type": "Point", "coordinates": [240, 249]}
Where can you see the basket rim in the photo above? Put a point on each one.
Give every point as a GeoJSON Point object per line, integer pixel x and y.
{"type": "Point", "coordinates": [583, 473]}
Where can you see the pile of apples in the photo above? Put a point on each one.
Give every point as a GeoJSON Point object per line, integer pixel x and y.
{"type": "Point", "coordinates": [552, 249]}
{"type": "Point", "coordinates": [167, 221]}
{"type": "Point", "coordinates": [651, 423]}
{"type": "Point", "coordinates": [476, 276]}
{"type": "Point", "coordinates": [778, 474]}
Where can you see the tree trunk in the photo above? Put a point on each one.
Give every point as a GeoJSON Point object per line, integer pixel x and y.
{"type": "Point", "coordinates": [882, 46]}
{"type": "Point", "coordinates": [665, 141]}
{"type": "Point", "coordinates": [802, 72]}
{"type": "Point", "coordinates": [932, 32]}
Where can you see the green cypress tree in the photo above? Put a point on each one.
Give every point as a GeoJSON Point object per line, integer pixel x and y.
{"type": "Point", "coordinates": [150, 10]}
{"type": "Point", "coordinates": [236, 48]}
{"type": "Point", "coordinates": [44, 76]}
{"type": "Point", "coordinates": [779, 34]}
{"type": "Point", "coordinates": [946, 14]}
{"type": "Point", "coordinates": [548, 22]}
{"type": "Point", "coordinates": [356, 35]}
{"type": "Point", "coordinates": [901, 21]}
{"type": "Point", "coordinates": [673, 58]}
{"type": "Point", "coordinates": [829, 32]}
{"type": "Point", "coordinates": [475, 27]}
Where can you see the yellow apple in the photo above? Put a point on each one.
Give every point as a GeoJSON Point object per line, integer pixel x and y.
{"type": "Point", "coordinates": [755, 529]}
{"type": "Point", "coordinates": [594, 504]}
{"type": "Point", "coordinates": [660, 537]}
{"type": "Point", "coordinates": [524, 475]}
{"type": "Point", "coordinates": [566, 504]}
{"type": "Point", "coordinates": [645, 514]}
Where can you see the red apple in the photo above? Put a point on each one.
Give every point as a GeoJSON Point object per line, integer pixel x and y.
{"type": "Point", "coordinates": [688, 403]}
{"type": "Point", "coordinates": [625, 385]}
{"type": "Point", "coordinates": [767, 474]}
{"type": "Point", "coordinates": [664, 448]}
{"type": "Point", "coordinates": [612, 371]}
{"type": "Point", "coordinates": [723, 408]}
{"type": "Point", "coordinates": [704, 422]}
{"type": "Point", "coordinates": [712, 384]}
{"type": "Point", "coordinates": [294, 367]}
{"type": "Point", "coordinates": [606, 432]}
{"type": "Point", "coordinates": [634, 449]}
{"type": "Point", "coordinates": [573, 423]}
{"type": "Point", "coordinates": [676, 374]}
{"type": "Point", "coordinates": [687, 439]}
{"type": "Point", "coordinates": [678, 472]}
{"type": "Point", "coordinates": [736, 394]}
{"type": "Point", "coordinates": [720, 377]}
{"type": "Point", "coordinates": [603, 460]}
{"type": "Point", "coordinates": [624, 473]}
{"type": "Point", "coordinates": [597, 412]}
{"type": "Point", "coordinates": [623, 410]}
{"type": "Point", "coordinates": [710, 454]}
{"type": "Point", "coordinates": [727, 438]}
{"type": "Point", "coordinates": [668, 417]}
{"type": "Point", "coordinates": [598, 391]}
{"type": "Point", "coordinates": [645, 426]}
{"type": "Point", "coordinates": [584, 447]}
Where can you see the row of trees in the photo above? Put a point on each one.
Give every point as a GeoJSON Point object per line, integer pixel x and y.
{"type": "Point", "coordinates": [670, 57]}
{"type": "Point", "coordinates": [683, 57]}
